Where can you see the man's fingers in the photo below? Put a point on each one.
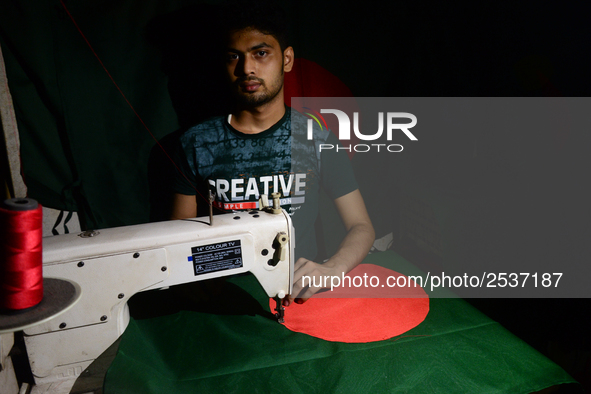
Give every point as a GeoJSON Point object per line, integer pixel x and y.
{"type": "Point", "coordinates": [297, 288]}
{"type": "Point", "coordinates": [301, 292]}
{"type": "Point", "coordinates": [312, 274]}
{"type": "Point", "coordinates": [307, 294]}
{"type": "Point", "coordinates": [301, 267]}
{"type": "Point", "coordinates": [299, 263]}
{"type": "Point", "coordinates": [301, 300]}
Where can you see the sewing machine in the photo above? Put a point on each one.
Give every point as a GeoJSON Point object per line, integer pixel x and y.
{"type": "Point", "coordinates": [111, 265]}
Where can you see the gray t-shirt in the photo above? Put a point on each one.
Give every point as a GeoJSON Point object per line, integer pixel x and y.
{"type": "Point", "coordinates": [240, 167]}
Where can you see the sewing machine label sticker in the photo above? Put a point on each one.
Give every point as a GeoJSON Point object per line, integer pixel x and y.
{"type": "Point", "coordinates": [217, 257]}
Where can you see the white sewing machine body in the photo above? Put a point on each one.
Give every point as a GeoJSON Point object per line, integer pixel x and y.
{"type": "Point", "coordinates": [117, 263]}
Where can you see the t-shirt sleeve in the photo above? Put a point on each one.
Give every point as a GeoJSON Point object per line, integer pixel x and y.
{"type": "Point", "coordinates": [336, 170]}
{"type": "Point", "coordinates": [185, 180]}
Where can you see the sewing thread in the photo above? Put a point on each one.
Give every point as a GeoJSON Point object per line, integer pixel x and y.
{"type": "Point", "coordinates": [21, 268]}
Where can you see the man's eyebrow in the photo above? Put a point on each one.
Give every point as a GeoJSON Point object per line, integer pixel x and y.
{"type": "Point", "coordinates": [253, 48]}
{"type": "Point", "coordinates": [261, 45]}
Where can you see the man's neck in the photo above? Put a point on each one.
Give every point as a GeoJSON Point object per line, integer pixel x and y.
{"type": "Point", "coordinates": [259, 119]}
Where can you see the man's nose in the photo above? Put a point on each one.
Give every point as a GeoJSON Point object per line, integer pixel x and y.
{"type": "Point", "coordinates": [247, 66]}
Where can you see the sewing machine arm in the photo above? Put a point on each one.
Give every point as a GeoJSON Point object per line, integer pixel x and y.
{"type": "Point", "coordinates": [112, 265]}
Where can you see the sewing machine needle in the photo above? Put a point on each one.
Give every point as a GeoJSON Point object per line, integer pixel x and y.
{"type": "Point", "coordinates": [280, 315]}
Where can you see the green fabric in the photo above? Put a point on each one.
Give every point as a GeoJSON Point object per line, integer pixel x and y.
{"type": "Point", "coordinates": [455, 350]}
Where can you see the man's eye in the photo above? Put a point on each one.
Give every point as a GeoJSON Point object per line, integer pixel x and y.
{"type": "Point", "coordinates": [262, 53]}
{"type": "Point", "coordinates": [232, 56]}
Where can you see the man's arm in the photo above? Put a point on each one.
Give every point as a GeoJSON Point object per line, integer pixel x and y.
{"type": "Point", "coordinates": [183, 206]}
{"type": "Point", "coordinates": [359, 239]}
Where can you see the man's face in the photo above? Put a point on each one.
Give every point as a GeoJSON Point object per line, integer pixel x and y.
{"type": "Point", "coordinates": [255, 65]}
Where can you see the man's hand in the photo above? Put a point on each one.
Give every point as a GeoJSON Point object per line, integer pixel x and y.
{"type": "Point", "coordinates": [315, 273]}
{"type": "Point", "coordinates": [360, 236]}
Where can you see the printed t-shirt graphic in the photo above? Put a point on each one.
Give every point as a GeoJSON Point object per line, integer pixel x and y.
{"type": "Point", "coordinates": [240, 167]}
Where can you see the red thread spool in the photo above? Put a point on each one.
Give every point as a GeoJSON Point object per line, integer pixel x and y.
{"type": "Point", "coordinates": [21, 258]}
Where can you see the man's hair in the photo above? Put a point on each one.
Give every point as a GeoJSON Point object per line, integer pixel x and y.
{"type": "Point", "coordinates": [263, 15]}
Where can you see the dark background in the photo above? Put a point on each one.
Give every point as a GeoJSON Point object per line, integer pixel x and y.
{"type": "Point", "coordinates": [84, 149]}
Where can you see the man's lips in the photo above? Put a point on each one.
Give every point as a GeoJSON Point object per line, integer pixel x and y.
{"type": "Point", "coordinates": [250, 86]}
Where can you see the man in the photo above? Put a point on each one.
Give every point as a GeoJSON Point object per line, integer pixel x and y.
{"type": "Point", "coordinates": [255, 151]}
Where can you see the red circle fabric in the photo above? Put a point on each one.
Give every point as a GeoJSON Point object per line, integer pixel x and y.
{"type": "Point", "coordinates": [309, 79]}
{"type": "Point", "coordinates": [372, 311]}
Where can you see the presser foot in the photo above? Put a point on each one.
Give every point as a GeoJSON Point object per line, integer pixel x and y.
{"type": "Point", "coordinates": [279, 310]}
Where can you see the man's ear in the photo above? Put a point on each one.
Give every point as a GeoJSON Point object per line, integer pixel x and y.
{"type": "Point", "coordinates": [288, 58]}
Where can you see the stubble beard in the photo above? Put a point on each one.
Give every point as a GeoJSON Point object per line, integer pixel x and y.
{"type": "Point", "coordinates": [260, 98]}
